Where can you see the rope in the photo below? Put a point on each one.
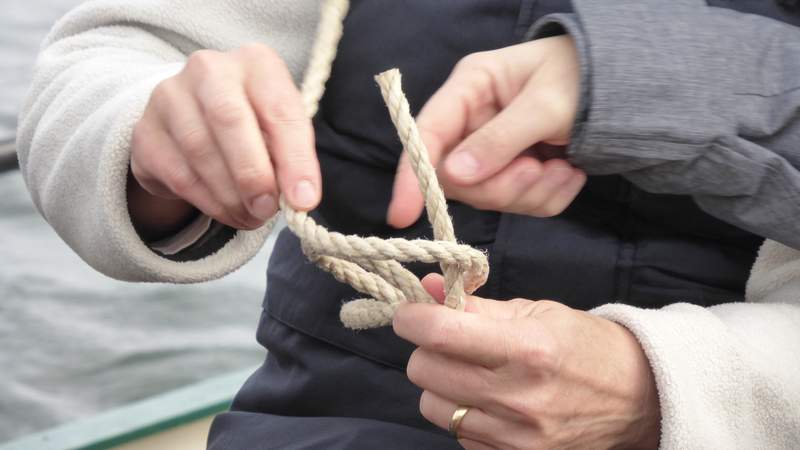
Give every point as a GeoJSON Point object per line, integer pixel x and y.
{"type": "Point", "coordinates": [369, 264]}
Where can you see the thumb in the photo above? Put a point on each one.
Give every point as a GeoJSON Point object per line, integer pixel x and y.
{"type": "Point", "coordinates": [490, 148]}
{"type": "Point", "coordinates": [407, 201]}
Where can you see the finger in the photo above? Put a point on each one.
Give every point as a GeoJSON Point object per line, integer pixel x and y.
{"type": "Point", "coordinates": [499, 310]}
{"type": "Point", "coordinates": [235, 128]}
{"type": "Point", "coordinates": [556, 174]}
{"type": "Point", "coordinates": [162, 171]}
{"type": "Point", "coordinates": [434, 284]}
{"type": "Point", "coordinates": [181, 180]}
{"type": "Point", "coordinates": [563, 196]}
{"type": "Point", "coordinates": [459, 106]}
{"type": "Point", "coordinates": [281, 113]}
{"type": "Point", "coordinates": [502, 191]}
{"type": "Point", "coordinates": [239, 146]}
{"type": "Point", "coordinates": [469, 337]}
{"type": "Point", "coordinates": [475, 426]}
{"type": "Point", "coordinates": [452, 378]}
{"type": "Point", "coordinates": [490, 148]}
{"type": "Point", "coordinates": [148, 142]}
{"type": "Point", "coordinates": [187, 127]}
{"type": "Point", "coordinates": [407, 202]}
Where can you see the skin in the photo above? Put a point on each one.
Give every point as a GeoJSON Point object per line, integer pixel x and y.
{"type": "Point", "coordinates": [228, 135]}
{"type": "Point", "coordinates": [225, 136]}
{"type": "Point", "coordinates": [537, 374]}
{"type": "Point", "coordinates": [493, 131]}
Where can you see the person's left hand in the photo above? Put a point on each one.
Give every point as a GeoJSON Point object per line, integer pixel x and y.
{"type": "Point", "coordinates": [499, 125]}
{"type": "Point", "coordinates": [536, 374]}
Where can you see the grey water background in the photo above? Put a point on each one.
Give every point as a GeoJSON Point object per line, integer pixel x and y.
{"type": "Point", "coordinates": [73, 342]}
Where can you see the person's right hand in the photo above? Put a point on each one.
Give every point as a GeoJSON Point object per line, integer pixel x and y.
{"type": "Point", "coordinates": [228, 134]}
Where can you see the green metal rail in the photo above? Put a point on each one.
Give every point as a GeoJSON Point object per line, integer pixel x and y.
{"type": "Point", "coordinates": [140, 419]}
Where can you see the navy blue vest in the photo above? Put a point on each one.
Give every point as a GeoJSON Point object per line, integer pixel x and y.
{"type": "Point", "coordinates": [615, 243]}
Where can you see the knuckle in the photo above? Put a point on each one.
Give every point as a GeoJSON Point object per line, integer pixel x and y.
{"type": "Point", "coordinates": [474, 61]}
{"type": "Point", "coordinates": [414, 370]}
{"type": "Point", "coordinates": [260, 50]}
{"type": "Point", "coordinates": [240, 214]}
{"type": "Point", "coordinates": [479, 91]}
{"type": "Point", "coordinates": [195, 142]}
{"type": "Point", "coordinates": [224, 111]}
{"type": "Point", "coordinates": [550, 305]}
{"type": "Point", "coordinates": [229, 221]}
{"type": "Point", "coordinates": [214, 210]}
{"type": "Point", "coordinates": [482, 203]}
{"type": "Point", "coordinates": [447, 331]}
{"type": "Point", "coordinates": [163, 93]}
{"type": "Point", "coordinates": [203, 61]}
{"type": "Point", "coordinates": [180, 180]}
{"type": "Point", "coordinates": [541, 356]}
{"type": "Point", "coordinates": [534, 202]}
{"type": "Point", "coordinates": [476, 80]}
{"type": "Point", "coordinates": [252, 180]}
{"type": "Point", "coordinates": [519, 304]}
{"type": "Point", "coordinates": [553, 104]}
{"type": "Point", "coordinates": [530, 439]}
{"type": "Point", "coordinates": [491, 136]}
{"type": "Point", "coordinates": [551, 209]}
{"type": "Point", "coordinates": [286, 110]}
{"type": "Point", "coordinates": [139, 138]}
{"type": "Point", "coordinates": [251, 224]}
{"type": "Point", "coordinates": [137, 170]}
{"type": "Point", "coordinates": [501, 201]}
{"type": "Point", "coordinates": [144, 160]}
{"type": "Point", "coordinates": [519, 406]}
{"type": "Point", "coordinates": [425, 406]}
{"type": "Point", "coordinates": [141, 173]}
{"type": "Point", "coordinates": [300, 163]}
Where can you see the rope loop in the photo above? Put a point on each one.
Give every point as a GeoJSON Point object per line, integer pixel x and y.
{"type": "Point", "coordinates": [369, 264]}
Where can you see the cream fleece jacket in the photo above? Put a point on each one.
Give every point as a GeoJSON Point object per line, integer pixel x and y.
{"type": "Point", "coordinates": [728, 376]}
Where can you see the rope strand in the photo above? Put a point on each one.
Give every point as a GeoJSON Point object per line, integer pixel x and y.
{"type": "Point", "coordinates": [369, 264]}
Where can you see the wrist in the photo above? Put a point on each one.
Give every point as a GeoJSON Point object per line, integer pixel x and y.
{"type": "Point", "coordinates": [644, 430]}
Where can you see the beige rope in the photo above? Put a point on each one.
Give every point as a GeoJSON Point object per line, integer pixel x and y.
{"type": "Point", "coordinates": [369, 264]}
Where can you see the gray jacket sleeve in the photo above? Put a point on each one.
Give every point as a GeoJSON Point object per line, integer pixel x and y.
{"type": "Point", "coordinates": [683, 98]}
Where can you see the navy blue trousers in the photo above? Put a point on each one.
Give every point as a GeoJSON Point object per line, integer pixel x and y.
{"type": "Point", "coordinates": [303, 380]}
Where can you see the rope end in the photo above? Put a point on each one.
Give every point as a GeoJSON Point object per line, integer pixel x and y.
{"type": "Point", "coordinates": [366, 313]}
{"type": "Point", "coordinates": [387, 75]}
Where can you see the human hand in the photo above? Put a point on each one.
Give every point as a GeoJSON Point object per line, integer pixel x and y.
{"type": "Point", "coordinates": [536, 374]}
{"type": "Point", "coordinates": [491, 123]}
{"type": "Point", "coordinates": [227, 135]}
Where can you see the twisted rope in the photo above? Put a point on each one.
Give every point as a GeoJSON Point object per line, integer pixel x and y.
{"type": "Point", "coordinates": [369, 264]}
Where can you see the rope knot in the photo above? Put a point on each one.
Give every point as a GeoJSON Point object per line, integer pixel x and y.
{"type": "Point", "coordinates": [371, 265]}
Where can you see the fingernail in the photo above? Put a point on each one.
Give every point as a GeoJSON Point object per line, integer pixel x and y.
{"type": "Point", "coordinates": [264, 207]}
{"type": "Point", "coordinates": [305, 194]}
{"type": "Point", "coordinates": [462, 165]}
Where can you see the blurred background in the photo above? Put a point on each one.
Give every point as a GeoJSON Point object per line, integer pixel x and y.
{"type": "Point", "coordinates": [72, 342]}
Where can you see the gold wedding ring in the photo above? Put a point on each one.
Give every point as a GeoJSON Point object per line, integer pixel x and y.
{"type": "Point", "coordinates": [455, 421]}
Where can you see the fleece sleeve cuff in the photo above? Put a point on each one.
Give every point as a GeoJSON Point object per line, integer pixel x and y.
{"type": "Point", "coordinates": [719, 385]}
